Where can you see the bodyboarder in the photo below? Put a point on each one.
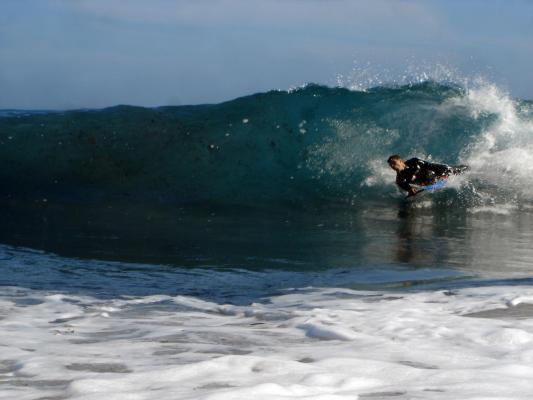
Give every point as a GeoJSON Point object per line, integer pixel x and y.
{"type": "Point", "coordinates": [416, 172]}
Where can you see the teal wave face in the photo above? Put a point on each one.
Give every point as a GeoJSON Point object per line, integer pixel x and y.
{"type": "Point", "coordinates": [311, 145]}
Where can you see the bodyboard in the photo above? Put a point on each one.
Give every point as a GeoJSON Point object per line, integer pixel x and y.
{"type": "Point", "coordinates": [440, 184]}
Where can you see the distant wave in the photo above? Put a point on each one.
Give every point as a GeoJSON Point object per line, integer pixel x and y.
{"type": "Point", "coordinates": [311, 145]}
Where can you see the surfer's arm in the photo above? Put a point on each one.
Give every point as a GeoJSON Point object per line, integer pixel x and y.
{"type": "Point", "coordinates": [404, 184]}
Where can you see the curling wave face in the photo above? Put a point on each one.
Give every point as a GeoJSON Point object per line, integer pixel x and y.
{"type": "Point", "coordinates": [314, 145]}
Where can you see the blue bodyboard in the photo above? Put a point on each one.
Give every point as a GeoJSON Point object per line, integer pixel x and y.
{"type": "Point", "coordinates": [440, 184]}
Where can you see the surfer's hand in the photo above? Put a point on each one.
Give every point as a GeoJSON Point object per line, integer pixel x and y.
{"type": "Point", "coordinates": [412, 191]}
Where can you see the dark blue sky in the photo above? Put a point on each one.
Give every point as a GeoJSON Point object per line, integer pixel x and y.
{"type": "Point", "coordinates": [59, 54]}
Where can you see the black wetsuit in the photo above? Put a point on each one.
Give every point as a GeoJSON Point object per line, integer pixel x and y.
{"type": "Point", "coordinates": [420, 172]}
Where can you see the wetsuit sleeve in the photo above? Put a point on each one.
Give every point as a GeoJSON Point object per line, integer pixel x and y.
{"type": "Point", "coordinates": [403, 183]}
{"type": "Point", "coordinates": [405, 178]}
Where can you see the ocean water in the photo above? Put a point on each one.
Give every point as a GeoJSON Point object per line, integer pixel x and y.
{"type": "Point", "coordinates": [259, 248]}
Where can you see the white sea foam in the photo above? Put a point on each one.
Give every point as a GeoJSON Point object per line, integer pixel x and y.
{"type": "Point", "coordinates": [501, 209]}
{"type": "Point", "coordinates": [502, 155]}
{"type": "Point", "coordinates": [306, 344]}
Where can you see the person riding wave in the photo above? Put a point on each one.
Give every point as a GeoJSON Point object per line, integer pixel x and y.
{"type": "Point", "coordinates": [419, 172]}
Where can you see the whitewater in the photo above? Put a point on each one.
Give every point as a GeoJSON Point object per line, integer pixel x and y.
{"type": "Point", "coordinates": [259, 248]}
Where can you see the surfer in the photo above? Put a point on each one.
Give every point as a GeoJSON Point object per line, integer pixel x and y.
{"type": "Point", "coordinates": [419, 172]}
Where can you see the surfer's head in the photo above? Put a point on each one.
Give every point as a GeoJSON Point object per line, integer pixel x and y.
{"type": "Point", "coordinates": [396, 162]}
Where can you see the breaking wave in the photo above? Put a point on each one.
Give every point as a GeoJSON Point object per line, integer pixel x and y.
{"type": "Point", "coordinates": [310, 145]}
